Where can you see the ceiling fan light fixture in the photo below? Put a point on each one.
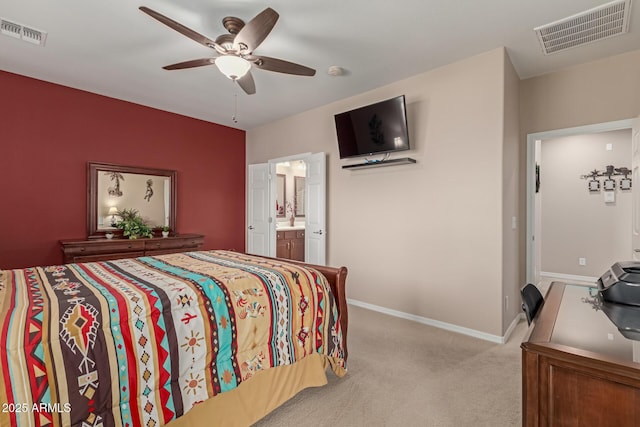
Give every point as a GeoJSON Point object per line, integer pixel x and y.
{"type": "Point", "coordinates": [234, 48]}
{"type": "Point", "coordinates": [233, 66]}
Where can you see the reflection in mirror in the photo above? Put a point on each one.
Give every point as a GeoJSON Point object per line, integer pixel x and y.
{"type": "Point", "coordinates": [148, 194]}
{"type": "Point", "coordinates": [113, 188]}
{"type": "Point", "coordinates": [298, 198]}
{"type": "Point", "coordinates": [281, 190]}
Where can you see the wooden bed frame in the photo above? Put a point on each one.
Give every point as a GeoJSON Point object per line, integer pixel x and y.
{"type": "Point", "coordinates": [337, 276]}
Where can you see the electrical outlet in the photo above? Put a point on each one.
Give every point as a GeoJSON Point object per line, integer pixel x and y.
{"type": "Point", "coordinates": [582, 261]}
{"type": "Point", "coordinates": [506, 303]}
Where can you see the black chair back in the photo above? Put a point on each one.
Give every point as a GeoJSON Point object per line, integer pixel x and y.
{"type": "Point", "coordinates": [531, 301]}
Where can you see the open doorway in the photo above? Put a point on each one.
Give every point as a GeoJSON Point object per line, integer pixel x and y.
{"type": "Point", "coordinates": [286, 208]}
{"type": "Point", "coordinates": [571, 238]}
{"type": "Point", "coordinates": [289, 209]}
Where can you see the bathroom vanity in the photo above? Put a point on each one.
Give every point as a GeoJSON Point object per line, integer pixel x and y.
{"type": "Point", "coordinates": [290, 242]}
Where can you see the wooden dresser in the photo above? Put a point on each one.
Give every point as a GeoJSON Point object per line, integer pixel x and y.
{"type": "Point", "coordinates": [577, 367]}
{"type": "Point", "coordinates": [106, 249]}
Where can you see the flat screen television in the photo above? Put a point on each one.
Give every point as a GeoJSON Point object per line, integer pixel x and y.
{"type": "Point", "coordinates": [373, 129]}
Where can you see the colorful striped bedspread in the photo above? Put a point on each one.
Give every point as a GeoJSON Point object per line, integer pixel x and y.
{"type": "Point", "coordinates": [139, 342]}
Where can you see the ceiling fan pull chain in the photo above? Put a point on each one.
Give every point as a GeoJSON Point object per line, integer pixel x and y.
{"type": "Point", "coordinates": [235, 107]}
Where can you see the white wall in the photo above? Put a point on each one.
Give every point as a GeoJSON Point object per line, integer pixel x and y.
{"type": "Point", "coordinates": [575, 222]}
{"type": "Point", "coordinates": [424, 239]}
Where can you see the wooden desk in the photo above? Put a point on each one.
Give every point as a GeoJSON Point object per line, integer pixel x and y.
{"type": "Point", "coordinates": [577, 368]}
{"type": "Point", "coordinates": [105, 249]}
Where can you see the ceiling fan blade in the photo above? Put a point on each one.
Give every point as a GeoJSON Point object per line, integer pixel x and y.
{"type": "Point", "coordinates": [247, 84]}
{"type": "Point", "coordinates": [190, 64]}
{"type": "Point", "coordinates": [281, 66]}
{"type": "Point", "coordinates": [255, 31]}
{"type": "Point", "coordinates": [180, 28]}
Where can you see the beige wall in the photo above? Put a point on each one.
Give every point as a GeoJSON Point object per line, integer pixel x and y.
{"type": "Point", "coordinates": [575, 222]}
{"type": "Point", "coordinates": [424, 239]}
{"type": "Point", "coordinates": [596, 92]}
{"type": "Point", "coordinates": [510, 196]}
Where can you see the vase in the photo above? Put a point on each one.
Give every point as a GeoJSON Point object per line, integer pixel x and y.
{"type": "Point", "coordinates": [109, 235]}
{"type": "Point", "coordinates": [292, 220]}
{"type": "Point", "coordinates": [165, 234]}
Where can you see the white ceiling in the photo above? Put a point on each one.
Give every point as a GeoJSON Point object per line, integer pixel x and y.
{"type": "Point", "coordinates": [112, 48]}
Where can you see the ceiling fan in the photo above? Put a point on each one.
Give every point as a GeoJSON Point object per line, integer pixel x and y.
{"type": "Point", "coordinates": [236, 48]}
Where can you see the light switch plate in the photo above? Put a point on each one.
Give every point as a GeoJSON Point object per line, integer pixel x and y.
{"type": "Point", "coordinates": [609, 196]}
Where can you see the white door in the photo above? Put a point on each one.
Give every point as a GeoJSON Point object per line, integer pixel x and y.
{"type": "Point", "coordinates": [635, 182]}
{"type": "Point", "coordinates": [258, 210]}
{"type": "Point", "coordinates": [316, 190]}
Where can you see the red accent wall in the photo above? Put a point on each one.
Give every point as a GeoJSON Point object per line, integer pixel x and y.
{"type": "Point", "coordinates": [49, 132]}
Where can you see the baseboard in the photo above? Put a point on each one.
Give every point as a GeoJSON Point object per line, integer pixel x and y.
{"type": "Point", "coordinates": [438, 324]}
{"type": "Point", "coordinates": [562, 276]}
{"type": "Point", "coordinates": [512, 327]}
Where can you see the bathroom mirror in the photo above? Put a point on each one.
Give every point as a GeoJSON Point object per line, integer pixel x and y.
{"type": "Point", "coordinates": [281, 191]}
{"type": "Point", "coordinates": [298, 195]}
{"type": "Point", "coordinates": [111, 187]}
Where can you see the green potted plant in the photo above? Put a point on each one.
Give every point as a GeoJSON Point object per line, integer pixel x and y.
{"type": "Point", "coordinates": [165, 231]}
{"type": "Point", "coordinates": [132, 224]}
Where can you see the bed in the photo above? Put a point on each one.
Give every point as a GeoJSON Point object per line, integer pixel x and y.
{"type": "Point", "coordinates": [187, 339]}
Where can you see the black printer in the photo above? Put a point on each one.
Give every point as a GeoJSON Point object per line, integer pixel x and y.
{"type": "Point", "coordinates": [619, 288]}
{"type": "Point", "coordinates": [621, 283]}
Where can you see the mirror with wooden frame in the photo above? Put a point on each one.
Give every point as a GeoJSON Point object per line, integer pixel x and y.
{"type": "Point", "coordinates": [112, 188]}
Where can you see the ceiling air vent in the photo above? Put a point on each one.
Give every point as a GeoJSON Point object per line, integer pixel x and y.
{"type": "Point", "coordinates": [22, 32]}
{"type": "Point", "coordinates": [602, 22]}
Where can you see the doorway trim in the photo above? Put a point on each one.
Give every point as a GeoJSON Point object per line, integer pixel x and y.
{"type": "Point", "coordinates": [530, 170]}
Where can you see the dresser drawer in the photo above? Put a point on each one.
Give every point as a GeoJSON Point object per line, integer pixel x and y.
{"type": "Point", "coordinates": [177, 242]}
{"type": "Point", "coordinates": [169, 243]}
{"type": "Point", "coordinates": [155, 244]}
{"type": "Point", "coordinates": [194, 242]}
{"type": "Point", "coordinates": [104, 247]}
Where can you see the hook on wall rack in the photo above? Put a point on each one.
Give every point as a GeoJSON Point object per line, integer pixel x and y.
{"type": "Point", "coordinates": [609, 184]}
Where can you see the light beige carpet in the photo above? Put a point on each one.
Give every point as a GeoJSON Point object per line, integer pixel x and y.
{"type": "Point", "coordinates": [403, 373]}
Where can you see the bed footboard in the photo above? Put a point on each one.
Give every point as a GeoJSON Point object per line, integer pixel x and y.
{"type": "Point", "coordinates": [337, 278]}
